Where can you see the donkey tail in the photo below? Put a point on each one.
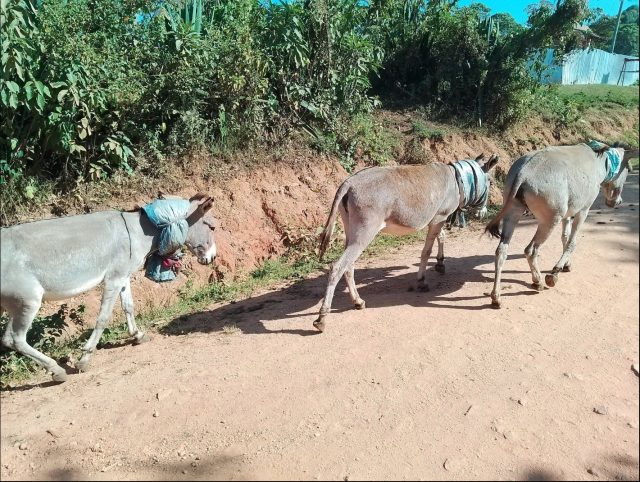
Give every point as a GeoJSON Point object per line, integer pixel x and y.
{"type": "Point", "coordinates": [325, 237]}
{"type": "Point", "coordinates": [493, 227]}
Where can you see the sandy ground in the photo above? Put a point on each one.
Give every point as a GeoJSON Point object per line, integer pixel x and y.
{"type": "Point", "coordinates": [431, 385]}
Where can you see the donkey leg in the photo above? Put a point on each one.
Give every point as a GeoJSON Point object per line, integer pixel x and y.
{"type": "Point", "coordinates": [440, 256]}
{"type": "Point", "coordinates": [109, 296]}
{"type": "Point", "coordinates": [508, 227]}
{"type": "Point", "coordinates": [21, 315]}
{"type": "Point", "coordinates": [127, 305]}
{"type": "Point", "coordinates": [566, 229]}
{"type": "Point", "coordinates": [349, 273]}
{"type": "Point", "coordinates": [348, 258]}
{"type": "Point", "coordinates": [353, 291]}
{"type": "Point", "coordinates": [565, 260]}
{"type": "Point", "coordinates": [533, 249]}
{"type": "Point", "coordinates": [432, 234]}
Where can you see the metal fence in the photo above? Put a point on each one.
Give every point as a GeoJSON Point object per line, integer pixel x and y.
{"type": "Point", "coordinates": [590, 66]}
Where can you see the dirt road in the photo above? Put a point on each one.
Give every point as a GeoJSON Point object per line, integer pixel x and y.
{"type": "Point", "coordinates": [431, 385]}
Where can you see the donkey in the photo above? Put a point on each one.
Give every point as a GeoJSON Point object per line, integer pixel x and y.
{"type": "Point", "coordinates": [56, 259]}
{"type": "Point", "coordinates": [400, 200]}
{"type": "Point", "coordinates": [556, 184]}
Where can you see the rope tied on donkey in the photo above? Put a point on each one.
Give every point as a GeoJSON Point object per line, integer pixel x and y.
{"type": "Point", "coordinates": [170, 215]}
{"type": "Point", "coordinates": [474, 191]}
{"type": "Point", "coordinates": [613, 158]}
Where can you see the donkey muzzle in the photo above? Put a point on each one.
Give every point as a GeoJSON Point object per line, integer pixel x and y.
{"type": "Point", "coordinates": [206, 259]}
{"type": "Point", "coordinates": [612, 203]}
{"type": "Point", "coordinates": [209, 256]}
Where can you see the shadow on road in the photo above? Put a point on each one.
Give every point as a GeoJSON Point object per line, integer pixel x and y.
{"type": "Point", "coordinates": [390, 286]}
{"type": "Point", "coordinates": [381, 287]}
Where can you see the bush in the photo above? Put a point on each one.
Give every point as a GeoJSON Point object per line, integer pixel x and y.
{"type": "Point", "coordinates": [56, 107]}
{"type": "Point", "coordinates": [44, 335]}
{"type": "Point", "coordinates": [460, 63]}
{"type": "Point", "coordinates": [91, 85]}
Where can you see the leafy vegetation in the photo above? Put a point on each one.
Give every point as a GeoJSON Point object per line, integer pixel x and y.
{"type": "Point", "coordinates": [604, 27]}
{"type": "Point", "coordinates": [44, 335]}
{"type": "Point", "coordinates": [87, 83]}
{"type": "Point", "coordinates": [568, 105]}
{"type": "Point", "coordinates": [423, 132]}
{"type": "Point", "coordinates": [460, 62]}
{"type": "Point", "coordinates": [90, 88]}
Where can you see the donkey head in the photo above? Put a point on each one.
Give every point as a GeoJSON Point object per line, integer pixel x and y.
{"type": "Point", "coordinates": [486, 166]}
{"type": "Point", "coordinates": [200, 239]}
{"type": "Point", "coordinates": [613, 188]}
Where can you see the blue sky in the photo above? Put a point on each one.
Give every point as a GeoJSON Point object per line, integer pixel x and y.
{"type": "Point", "coordinates": [518, 8]}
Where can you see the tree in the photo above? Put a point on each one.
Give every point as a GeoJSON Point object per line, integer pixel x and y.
{"type": "Point", "coordinates": [605, 25]}
{"type": "Point", "coordinates": [507, 25]}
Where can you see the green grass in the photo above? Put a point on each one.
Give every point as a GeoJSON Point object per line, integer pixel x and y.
{"type": "Point", "coordinates": [422, 131]}
{"type": "Point", "coordinates": [596, 95]}
{"type": "Point", "coordinates": [492, 211]}
{"type": "Point", "coordinates": [567, 106]}
{"type": "Point", "coordinates": [632, 136]}
{"type": "Point", "coordinates": [376, 141]}
{"type": "Point", "coordinates": [364, 138]}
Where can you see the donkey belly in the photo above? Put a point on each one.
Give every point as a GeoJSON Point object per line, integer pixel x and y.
{"type": "Point", "coordinates": [66, 285]}
{"type": "Point", "coordinates": [19, 283]}
{"type": "Point", "coordinates": [397, 229]}
{"type": "Point", "coordinates": [62, 257]}
{"type": "Point", "coordinates": [564, 204]}
{"type": "Point", "coordinates": [408, 219]}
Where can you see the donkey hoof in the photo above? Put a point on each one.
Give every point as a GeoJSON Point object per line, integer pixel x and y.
{"type": "Point", "coordinates": [141, 338]}
{"type": "Point", "coordinates": [360, 305]}
{"type": "Point", "coordinates": [566, 268]}
{"type": "Point", "coordinates": [83, 364]}
{"type": "Point", "coordinates": [59, 376]}
{"type": "Point", "coordinates": [551, 279]}
{"type": "Point", "coordinates": [319, 324]}
{"type": "Point", "coordinates": [440, 268]}
{"type": "Point", "coordinates": [537, 286]}
{"type": "Point", "coordinates": [495, 301]}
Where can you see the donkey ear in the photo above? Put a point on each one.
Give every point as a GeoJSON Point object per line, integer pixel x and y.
{"type": "Point", "coordinates": [491, 163]}
{"type": "Point", "coordinates": [206, 205]}
{"type": "Point", "coordinates": [200, 210]}
{"type": "Point", "coordinates": [480, 157]}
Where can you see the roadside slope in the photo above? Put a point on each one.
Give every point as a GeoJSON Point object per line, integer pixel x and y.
{"type": "Point", "coordinates": [263, 208]}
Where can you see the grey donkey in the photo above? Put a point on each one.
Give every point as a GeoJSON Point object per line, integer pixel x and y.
{"type": "Point", "coordinates": [557, 185]}
{"type": "Point", "coordinates": [399, 200]}
{"type": "Point", "coordinates": [56, 259]}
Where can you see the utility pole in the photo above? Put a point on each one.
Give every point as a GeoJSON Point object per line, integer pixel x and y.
{"type": "Point", "coordinates": [615, 35]}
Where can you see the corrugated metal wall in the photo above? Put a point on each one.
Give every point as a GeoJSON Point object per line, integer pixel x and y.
{"type": "Point", "coordinates": [589, 66]}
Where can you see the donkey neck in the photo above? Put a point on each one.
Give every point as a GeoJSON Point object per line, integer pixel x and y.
{"type": "Point", "coordinates": [144, 236]}
{"type": "Point", "coordinates": [607, 162]}
{"type": "Point", "coordinates": [471, 182]}
{"type": "Point", "coordinates": [612, 164]}
{"type": "Point", "coordinates": [457, 187]}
